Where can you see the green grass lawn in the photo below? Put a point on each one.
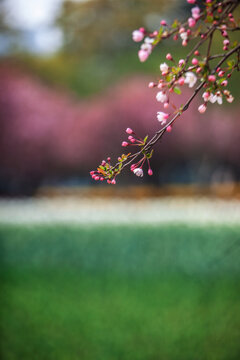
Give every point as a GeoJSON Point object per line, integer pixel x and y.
{"type": "Point", "coordinates": [126, 293]}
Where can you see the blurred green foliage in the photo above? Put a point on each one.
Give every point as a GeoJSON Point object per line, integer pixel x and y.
{"type": "Point", "coordinates": [130, 292]}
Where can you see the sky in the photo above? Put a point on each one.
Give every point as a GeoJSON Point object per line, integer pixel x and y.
{"type": "Point", "coordinates": [36, 17]}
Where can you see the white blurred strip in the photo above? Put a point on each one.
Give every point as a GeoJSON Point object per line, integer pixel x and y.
{"type": "Point", "coordinates": [117, 211]}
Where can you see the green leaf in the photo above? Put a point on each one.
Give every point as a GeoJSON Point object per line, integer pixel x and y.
{"type": "Point", "coordinates": [177, 90]}
{"type": "Point", "coordinates": [145, 139]}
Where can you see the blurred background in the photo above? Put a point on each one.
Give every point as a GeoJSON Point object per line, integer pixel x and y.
{"type": "Point", "coordinates": [146, 269]}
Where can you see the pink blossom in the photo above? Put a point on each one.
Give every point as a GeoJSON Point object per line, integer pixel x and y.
{"type": "Point", "coordinates": [143, 55]}
{"type": "Point", "coordinates": [113, 182]}
{"type": "Point", "coordinates": [150, 172]}
{"type": "Point", "coordinates": [230, 98]}
{"type": "Point", "coordinates": [162, 117]}
{"type": "Point", "coordinates": [124, 143]}
{"type": "Point", "coordinates": [138, 172]}
{"type": "Point", "coordinates": [190, 79]}
{"type": "Point", "coordinates": [161, 97]}
{"type": "Point", "coordinates": [221, 73]}
{"type": "Point", "coordinates": [196, 12]}
{"type": "Point", "coordinates": [202, 108]}
{"type": "Point", "coordinates": [206, 96]}
{"type": "Point", "coordinates": [191, 22]}
{"type": "Point", "coordinates": [226, 42]}
{"type": "Point", "coordinates": [164, 68]}
{"type": "Point", "coordinates": [169, 128]}
{"type": "Point", "coordinates": [137, 35]}
{"type": "Point", "coordinates": [184, 35]}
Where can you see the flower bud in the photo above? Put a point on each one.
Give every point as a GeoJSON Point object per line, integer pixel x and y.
{"type": "Point", "coordinates": [212, 78]}
{"type": "Point", "coordinates": [129, 131]}
{"type": "Point", "coordinates": [151, 84]}
{"type": "Point", "coordinates": [124, 144]}
{"type": "Point", "coordinates": [137, 35]}
{"type": "Point", "coordinates": [202, 108]}
{"type": "Point", "coordinates": [150, 172]}
{"type": "Point", "coordinates": [169, 56]}
{"type": "Point", "coordinates": [143, 55]}
{"type": "Point", "coordinates": [191, 22]}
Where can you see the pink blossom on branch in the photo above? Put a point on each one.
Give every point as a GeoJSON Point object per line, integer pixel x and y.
{"type": "Point", "coordinates": [197, 72]}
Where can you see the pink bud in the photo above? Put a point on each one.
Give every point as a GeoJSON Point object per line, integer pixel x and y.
{"type": "Point", "coordinates": [226, 42]}
{"type": "Point", "coordinates": [142, 29]}
{"type": "Point", "coordinates": [225, 48]}
{"type": "Point", "coordinates": [181, 62]}
{"type": "Point", "coordinates": [143, 55]}
{"type": "Point", "coordinates": [169, 57]}
{"type": "Point", "coordinates": [155, 33]}
{"type": "Point", "coordinates": [184, 43]}
{"type": "Point", "coordinates": [131, 138]}
{"type": "Point", "coordinates": [96, 178]}
{"type": "Point", "coordinates": [181, 30]}
{"type": "Point", "coordinates": [137, 35]}
{"type": "Point", "coordinates": [109, 181]}
{"type": "Point", "coordinates": [124, 143]}
{"type": "Point", "coordinates": [191, 1]}
{"type": "Point", "coordinates": [181, 81]}
{"type": "Point", "coordinates": [163, 23]}
{"type": "Point", "coordinates": [92, 172]}
{"type": "Point", "coordinates": [108, 159]}
{"type": "Point", "coordinates": [129, 131]}
{"type": "Point", "coordinates": [198, 70]}
{"type": "Point", "coordinates": [196, 52]}
{"type": "Point", "coordinates": [194, 61]}
{"type": "Point", "coordinates": [150, 172]}
{"type": "Point", "coordinates": [151, 84]}
{"type": "Point", "coordinates": [166, 105]}
{"type": "Point", "coordinates": [191, 22]}
{"type": "Point", "coordinates": [221, 73]}
{"type": "Point", "coordinates": [224, 33]}
{"type": "Point", "coordinates": [175, 37]}
{"type": "Point", "coordinates": [103, 163]}
{"type": "Point", "coordinates": [212, 78]}
{"type": "Point", "coordinates": [169, 128]}
{"type": "Point", "coordinates": [113, 182]}
{"type": "Point", "coordinates": [202, 108]}
{"type": "Point", "coordinates": [101, 178]}
{"type": "Point", "coordinates": [224, 83]}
